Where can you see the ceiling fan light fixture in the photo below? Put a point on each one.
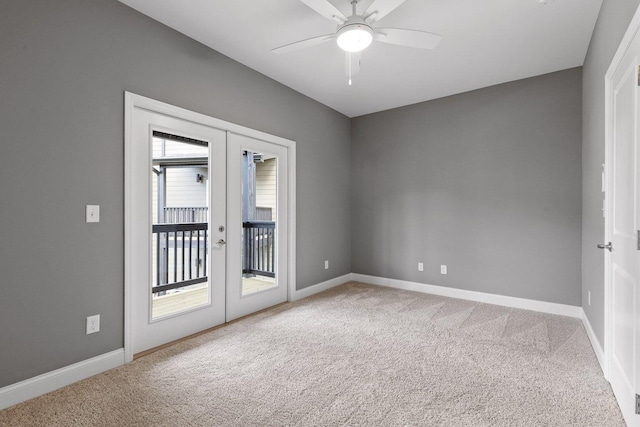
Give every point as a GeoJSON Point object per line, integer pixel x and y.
{"type": "Point", "coordinates": [354, 37]}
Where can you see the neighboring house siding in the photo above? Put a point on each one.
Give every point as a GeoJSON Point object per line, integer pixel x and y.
{"type": "Point", "coordinates": [182, 186]}
{"type": "Point", "coordinates": [266, 186]}
{"type": "Point", "coordinates": [183, 189]}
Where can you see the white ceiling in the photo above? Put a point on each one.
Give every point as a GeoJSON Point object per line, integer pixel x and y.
{"type": "Point", "coordinates": [485, 42]}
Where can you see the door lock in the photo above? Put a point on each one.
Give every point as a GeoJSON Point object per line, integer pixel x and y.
{"type": "Point", "coordinates": [221, 242]}
{"type": "Point", "coordinates": [221, 228]}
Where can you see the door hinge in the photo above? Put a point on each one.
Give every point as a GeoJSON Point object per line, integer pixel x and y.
{"type": "Point", "coordinates": [639, 240]}
{"type": "Point", "coordinates": [638, 75]}
{"type": "Point", "coordinates": [637, 404]}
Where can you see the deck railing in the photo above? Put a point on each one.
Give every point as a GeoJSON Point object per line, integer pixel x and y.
{"type": "Point", "coordinates": [181, 255]}
{"type": "Point", "coordinates": [259, 238]}
{"type": "Point", "coordinates": [181, 249]}
{"type": "Point", "coordinates": [263, 214]}
{"type": "Point", "coordinates": [180, 215]}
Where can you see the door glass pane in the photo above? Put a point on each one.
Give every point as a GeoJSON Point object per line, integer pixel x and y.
{"type": "Point", "coordinates": [180, 237]}
{"type": "Point", "coordinates": [259, 217]}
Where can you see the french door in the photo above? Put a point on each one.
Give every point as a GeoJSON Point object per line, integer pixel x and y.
{"type": "Point", "coordinates": [208, 222]}
{"type": "Point", "coordinates": [257, 249]}
{"type": "Point", "coordinates": [179, 203]}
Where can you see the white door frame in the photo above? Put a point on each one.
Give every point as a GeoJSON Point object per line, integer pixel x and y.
{"type": "Point", "coordinates": [133, 101]}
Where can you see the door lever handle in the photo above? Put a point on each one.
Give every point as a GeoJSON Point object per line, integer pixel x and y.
{"type": "Point", "coordinates": [221, 242]}
{"type": "Point", "coordinates": [608, 246]}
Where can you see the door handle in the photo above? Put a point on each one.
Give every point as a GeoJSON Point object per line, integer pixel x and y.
{"type": "Point", "coordinates": [608, 246]}
{"type": "Point", "coordinates": [221, 242]}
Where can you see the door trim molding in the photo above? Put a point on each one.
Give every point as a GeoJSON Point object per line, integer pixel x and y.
{"type": "Point", "coordinates": [629, 36]}
{"type": "Point", "coordinates": [133, 101]}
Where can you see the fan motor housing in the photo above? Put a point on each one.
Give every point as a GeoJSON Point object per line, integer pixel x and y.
{"type": "Point", "coordinates": [354, 35]}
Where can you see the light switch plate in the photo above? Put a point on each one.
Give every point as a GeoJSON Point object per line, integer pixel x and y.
{"type": "Point", "coordinates": [93, 213]}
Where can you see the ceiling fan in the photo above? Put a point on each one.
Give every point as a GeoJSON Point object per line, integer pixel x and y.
{"type": "Point", "coordinates": [356, 32]}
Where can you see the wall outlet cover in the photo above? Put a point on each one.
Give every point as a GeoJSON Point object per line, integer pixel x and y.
{"type": "Point", "coordinates": [93, 324]}
{"type": "Point", "coordinates": [443, 269]}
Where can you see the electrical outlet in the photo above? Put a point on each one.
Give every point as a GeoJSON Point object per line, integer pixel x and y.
{"type": "Point", "coordinates": [93, 324]}
{"type": "Point", "coordinates": [443, 269]}
{"type": "Point", "coordinates": [589, 298]}
{"type": "Point", "coordinates": [326, 265]}
{"type": "Point", "coordinates": [420, 266]}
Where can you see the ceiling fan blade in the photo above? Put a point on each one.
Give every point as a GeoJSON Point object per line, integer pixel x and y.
{"type": "Point", "coordinates": [380, 8]}
{"type": "Point", "coordinates": [326, 9]}
{"type": "Point", "coordinates": [303, 44]}
{"type": "Point", "coordinates": [351, 63]}
{"type": "Point", "coordinates": [409, 38]}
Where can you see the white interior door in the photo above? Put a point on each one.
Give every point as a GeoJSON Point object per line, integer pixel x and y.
{"type": "Point", "coordinates": [257, 219]}
{"type": "Point", "coordinates": [623, 223]}
{"type": "Point", "coordinates": [177, 213]}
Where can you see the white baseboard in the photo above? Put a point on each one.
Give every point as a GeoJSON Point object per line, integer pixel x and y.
{"type": "Point", "coordinates": [320, 287]}
{"type": "Point", "coordinates": [525, 304]}
{"type": "Point", "coordinates": [597, 348]}
{"type": "Point", "coordinates": [45, 383]}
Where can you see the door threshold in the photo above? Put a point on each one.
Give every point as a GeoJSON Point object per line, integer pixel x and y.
{"type": "Point", "coordinates": [188, 337]}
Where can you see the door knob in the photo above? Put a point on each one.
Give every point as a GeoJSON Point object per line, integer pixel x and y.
{"type": "Point", "coordinates": [608, 246]}
{"type": "Point", "coordinates": [221, 242]}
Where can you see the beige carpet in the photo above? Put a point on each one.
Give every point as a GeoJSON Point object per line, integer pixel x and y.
{"type": "Point", "coordinates": [357, 355]}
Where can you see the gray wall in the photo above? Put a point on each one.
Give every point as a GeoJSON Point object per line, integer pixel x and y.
{"type": "Point", "coordinates": [64, 67]}
{"type": "Point", "coordinates": [614, 18]}
{"type": "Point", "coordinates": [487, 182]}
